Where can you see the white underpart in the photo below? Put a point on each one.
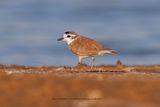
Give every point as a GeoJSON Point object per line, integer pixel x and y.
{"type": "Point", "coordinates": [104, 52]}
{"type": "Point", "coordinates": [81, 57]}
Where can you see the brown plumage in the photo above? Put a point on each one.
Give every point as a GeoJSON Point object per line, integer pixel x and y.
{"type": "Point", "coordinates": [84, 46]}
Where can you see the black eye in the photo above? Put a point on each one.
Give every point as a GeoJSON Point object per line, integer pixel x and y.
{"type": "Point", "coordinates": [68, 36]}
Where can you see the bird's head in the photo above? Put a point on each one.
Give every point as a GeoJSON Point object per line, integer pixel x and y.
{"type": "Point", "coordinates": [68, 37]}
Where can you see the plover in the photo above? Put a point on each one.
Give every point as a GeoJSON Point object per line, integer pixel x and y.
{"type": "Point", "coordinates": [84, 47]}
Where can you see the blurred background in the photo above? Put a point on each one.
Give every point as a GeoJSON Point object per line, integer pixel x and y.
{"type": "Point", "coordinates": [29, 29]}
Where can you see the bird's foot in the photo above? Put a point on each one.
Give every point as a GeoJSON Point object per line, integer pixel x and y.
{"type": "Point", "coordinates": [81, 64]}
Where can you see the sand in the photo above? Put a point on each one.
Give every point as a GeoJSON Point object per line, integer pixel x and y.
{"type": "Point", "coordinates": [81, 86]}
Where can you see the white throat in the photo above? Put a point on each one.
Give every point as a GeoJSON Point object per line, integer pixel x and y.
{"type": "Point", "coordinates": [69, 41]}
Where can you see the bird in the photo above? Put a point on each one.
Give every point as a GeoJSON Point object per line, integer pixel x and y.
{"type": "Point", "coordinates": [84, 47]}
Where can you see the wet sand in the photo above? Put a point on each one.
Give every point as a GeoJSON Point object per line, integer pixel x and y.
{"type": "Point", "coordinates": [81, 86]}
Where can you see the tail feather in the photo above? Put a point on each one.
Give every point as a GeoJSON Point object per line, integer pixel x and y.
{"type": "Point", "coordinates": [107, 51]}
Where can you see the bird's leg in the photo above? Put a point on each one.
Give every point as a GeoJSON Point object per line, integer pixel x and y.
{"type": "Point", "coordinates": [93, 61]}
{"type": "Point", "coordinates": [80, 60]}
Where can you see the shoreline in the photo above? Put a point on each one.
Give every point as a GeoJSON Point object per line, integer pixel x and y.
{"type": "Point", "coordinates": [118, 67]}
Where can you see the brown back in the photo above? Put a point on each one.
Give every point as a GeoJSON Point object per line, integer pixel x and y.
{"type": "Point", "coordinates": [84, 46]}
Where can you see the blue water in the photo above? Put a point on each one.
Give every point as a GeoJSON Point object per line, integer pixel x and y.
{"type": "Point", "coordinates": [29, 29]}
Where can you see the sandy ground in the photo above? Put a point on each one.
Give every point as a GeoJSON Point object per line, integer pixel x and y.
{"type": "Point", "coordinates": [81, 86]}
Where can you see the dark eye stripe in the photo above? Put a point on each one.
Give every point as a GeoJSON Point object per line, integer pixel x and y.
{"type": "Point", "coordinates": [68, 36]}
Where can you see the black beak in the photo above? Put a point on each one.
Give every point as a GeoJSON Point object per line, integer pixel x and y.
{"type": "Point", "coordinates": [60, 39]}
